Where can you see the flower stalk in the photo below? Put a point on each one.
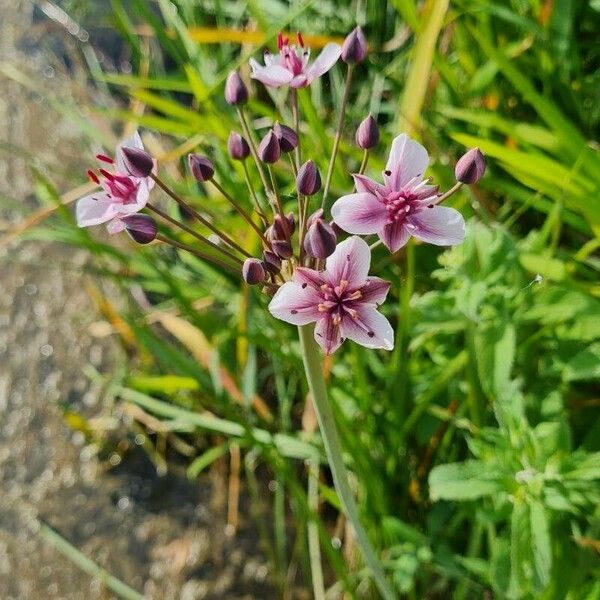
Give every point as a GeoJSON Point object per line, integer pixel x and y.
{"type": "Point", "coordinates": [338, 134]}
{"type": "Point", "coordinates": [333, 450]}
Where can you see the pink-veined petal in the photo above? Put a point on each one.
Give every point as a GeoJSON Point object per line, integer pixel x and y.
{"type": "Point", "coordinates": [271, 59]}
{"type": "Point", "coordinates": [439, 225]}
{"type": "Point", "coordinates": [365, 185]}
{"type": "Point", "coordinates": [326, 59]}
{"type": "Point", "coordinates": [359, 213]}
{"type": "Point", "coordinates": [95, 209]}
{"type": "Point", "coordinates": [305, 276]}
{"type": "Point", "coordinates": [374, 291]}
{"type": "Point", "coordinates": [328, 335]}
{"type": "Point", "coordinates": [350, 262]}
{"type": "Point", "coordinates": [395, 235]}
{"type": "Point", "coordinates": [141, 198]}
{"type": "Point", "coordinates": [296, 305]}
{"type": "Point", "coordinates": [115, 226]}
{"type": "Point", "coordinates": [370, 329]}
{"type": "Point", "coordinates": [407, 159]}
{"type": "Point", "coordinates": [272, 75]}
{"type": "Point", "coordinates": [300, 81]}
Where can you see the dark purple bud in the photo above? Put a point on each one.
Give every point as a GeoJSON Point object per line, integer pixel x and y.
{"type": "Point", "coordinates": [137, 162]}
{"type": "Point", "coordinates": [288, 140]}
{"type": "Point", "coordinates": [201, 167]}
{"type": "Point", "coordinates": [470, 167]}
{"type": "Point", "coordinates": [282, 248]}
{"type": "Point", "coordinates": [318, 214]}
{"type": "Point", "coordinates": [354, 48]}
{"type": "Point", "coordinates": [237, 146]}
{"type": "Point", "coordinates": [281, 230]}
{"type": "Point", "coordinates": [236, 91]}
{"type": "Point", "coordinates": [253, 271]}
{"type": "Point", "coordinates": [320, 239]}
{"type": "Point", "coordinates": [271, 262]}
{"type": "Point", "coordinates": [308, 181]}
{"type": "Point", "coordinates": [141, 228]}
{"type": "Point", "coordinates": [291, 221]}
{"type": "Point", "coordinates": [269, 149]}
{"type": "Point", "coordinates": [367, 134]}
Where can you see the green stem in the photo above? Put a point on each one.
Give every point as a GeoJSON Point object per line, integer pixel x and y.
{"type": "Point", "coordinates": [296, 118]}
{"type": "Point", "coordinates": [333, 449]}
{"type": "Point", "coordinates": [338, 135]}
{"type": "Point", "coordinates": [314, 550]}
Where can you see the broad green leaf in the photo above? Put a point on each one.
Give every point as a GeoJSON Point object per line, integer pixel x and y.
{"type": "Point", "coordinates": [463, 481]}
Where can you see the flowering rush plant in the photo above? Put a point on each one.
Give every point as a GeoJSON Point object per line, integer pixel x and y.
{"type": "Point", "coordinates": [315, 260]}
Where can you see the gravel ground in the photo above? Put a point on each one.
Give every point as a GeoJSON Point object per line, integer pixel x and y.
{"type": "Point", "coordinates": [161, 535]}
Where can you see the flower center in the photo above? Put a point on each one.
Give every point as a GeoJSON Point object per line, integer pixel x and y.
{"type": "Point", "coordinates": [338, 301]}
{"type": "Point", "coordinates": [399, 205]}
{"type": "Point", "coordinates": [121, 187]}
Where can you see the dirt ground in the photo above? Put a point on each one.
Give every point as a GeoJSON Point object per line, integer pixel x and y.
{"type": "Point", "coordinates": [160, 534]}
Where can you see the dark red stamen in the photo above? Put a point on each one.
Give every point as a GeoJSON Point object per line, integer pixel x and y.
{"type": "Point", "coordinates": [286, 41]}
{"type": "Point", "coordinates": [300, 39]}
{"type": "Point", "coordinates": [280, 40]}
{"type": "Point", "coordinates": [106, 174]}
{"type": "Point", "coordinates": [93, 177]}
{"type": "Point", "coordinates": [104, 158]}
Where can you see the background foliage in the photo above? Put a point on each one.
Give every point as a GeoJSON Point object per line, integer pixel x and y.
{"type": "Point", "coordinates": [475, 444]}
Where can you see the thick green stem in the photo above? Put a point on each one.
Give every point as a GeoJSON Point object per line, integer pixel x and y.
{"type": "Point", "coordinates": [333, 449]}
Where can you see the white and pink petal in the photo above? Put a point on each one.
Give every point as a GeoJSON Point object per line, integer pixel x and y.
{"type": "Point", "coordinates": [95, 209]}
{"type": "Point", "coordinates": [326, 59]}
{"type": "Point", "coordinates": [395, 235]}
{"type": "Point", "coordinates": [407, 160]}
{"type": "Point", "coordinates": [439, 225]}
{"type": "Point", "coordinates": [374, 291]}
{"type": "Point", "coordinates": [350, 262]}
{"type": "Point", "coordinates": [295, 304]}
{"type": "Point", "coordinates": [370, 329]}
{"type": "Point", "coordinates": [272, 75]}
{"type": "Point", "coordinates": [328, 335]}
{"type": "Point", "coordinates": [361, 213]}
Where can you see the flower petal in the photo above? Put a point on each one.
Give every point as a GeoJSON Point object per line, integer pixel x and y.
{"type": "Point", "coordinates": [365, 185]}
{"type": "Point", "coordinates": [359, 213]}
{"type": "Point", "coordinates": [328, 335]}
{"type": "Point", "coordinates": [296, 305]}
{"type": "Point", "coordinates": [439, 225]}
{"type": "Point", "coordinates": [272, 75]}
{"type": "Point", "coordinates": [395, 235]}
{"type": "Point", "coordinates": [370, 329]}
{"type": "Point", "coordinates": [305, 276]}
{"type": "Point", "coordinates": [374, 291]}
{"type": "Point", "coordinates": [326, 59]}
{"type": "Point", "coordinates": [407, 159]}
{"type": "Point", "coordinates": [115, 226]}
{"type": "Point", "coordinates": [95, 209]}
{"type": "Point", "coordinates": [350, 262]}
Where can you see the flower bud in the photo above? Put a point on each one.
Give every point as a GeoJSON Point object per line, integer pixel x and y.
{"type": "Point", "coordinates": [271, 262]}
{"type": "Point", "coordinates": [253, 271]}
{"type": "Point", "coordinates": [287, 137]}
{"type": "Point", "coordinates": [320, 239]}
{"type": "Point", "coordinates": [308, 181]}
{"type": "Point", "coordinates": [141, 228]}
{"type": "Point", "coordinates": [367, 134]}
{"type": "Point", "coordinates": [137, 162]}
{"type": "Point", "coordinates": [354, 48]}
{"type": "Point", "coordinates": [201, 167]}
{"type": "Point", "coordinates": [237, 146]}
{"type": "Point", "coordinates": [269, 149]}
{"type": "Point", "coordinates": [318, 214]}
{"type": "Point", "coordinates": [236, 91]}
{"type": "Point", "coordinates": [282, 248]}
{"type": "Point", "coordinates": [470, 167]}
{"type": "Point", "coordinates": [338, 230]}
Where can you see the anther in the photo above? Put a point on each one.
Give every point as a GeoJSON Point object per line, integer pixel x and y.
{"type": "Point", "coordinates": [93, 177]}
{"type": "Point", "coordinates": [104, 158]}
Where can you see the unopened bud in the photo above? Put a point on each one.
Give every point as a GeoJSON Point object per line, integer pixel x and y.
{"type": "Point", "coordinates": [354, 48]}
{"type": "Point", "coordinates": [320, 239]}
{"type": "Point", "coordinates": [237, 146]}
{"type": "Point", "coordinates": [282, 248]}
{"type": "Point", "coordinates": [470, 167]}
{"type": "Point", "coordinates": [137, 162]}
{"type": "Point", "coordinates": [318, 214]}
{"type": "Point", "coordinates": [287, 137]}
{"type": "Point", "coordinates": [253, 271]}
{"type": "Point", "coordinates": [338, 230]}
{"type": "Point", "coordinates": [271, 262]}
{"type": "Point", "coordinates": [269, 149]}
{"type": "Point", "coordinates": [308, 180]}
{"type": "Point", "coordinates": [201, 167]}
{"type": "Point", "coordinates": [367, 134]}
{"type": "Point", "coordinates": [141, 228]}
{"type": "Point", "coordinates": [236, 92]}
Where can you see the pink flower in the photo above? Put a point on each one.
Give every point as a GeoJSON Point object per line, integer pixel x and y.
{"type": "Point", "coordinates": [404, 205]}
{"type": "Point", "coordinates": [290, 66]}
{"type": "Point", "coordinates": [342, 300]}
{"type": "Point", "coordinates": [121, 195]}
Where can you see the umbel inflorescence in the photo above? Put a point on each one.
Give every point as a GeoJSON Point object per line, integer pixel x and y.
{"type": "Point", "coordinates": [315, 273]}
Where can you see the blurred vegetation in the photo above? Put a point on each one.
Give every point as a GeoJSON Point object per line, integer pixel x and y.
{"type": "Point", "coordinates": [476, 443]}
